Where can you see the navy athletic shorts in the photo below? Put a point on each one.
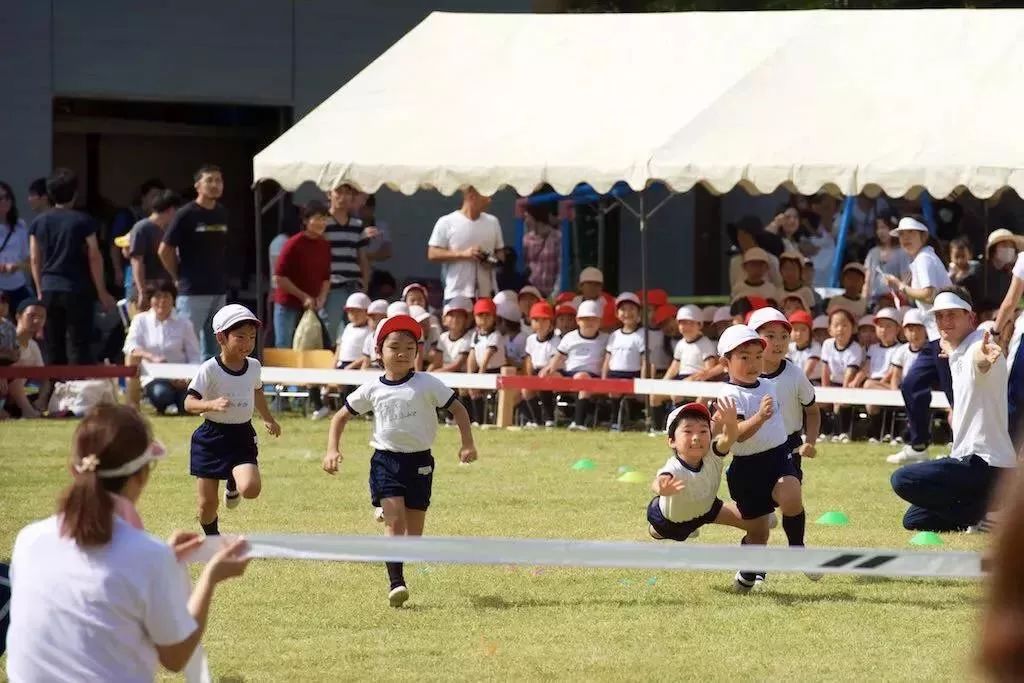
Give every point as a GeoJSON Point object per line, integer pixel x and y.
{"type": "Point", "coordinates": [751, 479]}
{"type": "Point", "coordinates": [402, 475]}
{"type": "Point", "coordinates": [217, 448]}
{"type": "Point", "coordinates": [679, 531]}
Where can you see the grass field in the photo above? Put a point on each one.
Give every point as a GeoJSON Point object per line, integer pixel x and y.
{"type": "Point", "coordinates": [306, 621]}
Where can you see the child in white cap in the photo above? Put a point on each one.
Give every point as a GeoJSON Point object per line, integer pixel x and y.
{"type": "Point", "coordinates": [877, 370]}
{"type": "Point", "coordinates": [625, 353]}
{"type": "Point", "coordinates": [580, 354]}
{"type": "Point", "coordinates": [353, 335]}
{"type": "Point", "coordinates": [225, 391]}
{"type": "Point", "coordinates": [456, 341]}
{"type": "Point", "coordinates": [375, 312]}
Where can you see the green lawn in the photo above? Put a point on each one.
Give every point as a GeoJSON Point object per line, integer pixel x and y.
{"type": "Point", "coordinates": [306, 621]}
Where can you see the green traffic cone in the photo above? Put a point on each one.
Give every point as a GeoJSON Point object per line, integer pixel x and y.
{"type": "Point", "coordinates": [833, 518]}
{"type": "Point", "coordinates": [926, 538]}
{"type": "Point", "coordinates": [584, 464]}
{"type": "Point", "coordinates": [633, 478]}
{"type": "Point", "coordinates": [626, 468]}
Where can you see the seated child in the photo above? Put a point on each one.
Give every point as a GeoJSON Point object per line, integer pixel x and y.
{"type": "Point", "coordinates": [541, 347]}
{"type": "Point", "coordinates": [852, 298]}
{"type": "Point", "coordinates": [866, 331]}
{"type": "Point", "coordinates": [580, 354]}
{"type": "Point", "coordinates": [377, 311]}
{"type": "Point", "coordinates": [877, 370]}
{"type": "Point", "coordinates": [917, 338]}
{"type": "Point", "coordinates": [694, 357]}
{"type": "Point", "coordinates": [509, 325]}
{"type": "Point", "coordinates": [354, 333]}
{"type": "Point", "coordinates": [428, 354]}
{"type": "Point", "coordinates": [565, 318]}
{"type": "Point", "coordinates": [488, 353]}
{"type": "Point", "coordinates": [528, 296]}
{"type": "Point", "coordinates": [841, 358]}
{"type": "Point", "coordinates": [819, 329]}
{"type": "Point", "coordinates": [722, 320]}
{"type": "Point", "coordinates": [804, 352]}
{"type": "Point", "coordinates": [793, 289]}
{"type": "Point", "coordinates": [756, 267]}
{"type": "Point", "coordinates": [625, 353]}
{"type": "Point", "coordinates": [456, 341]}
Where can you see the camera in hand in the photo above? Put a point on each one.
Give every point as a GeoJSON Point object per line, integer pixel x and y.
{"type": "Point", "coordinates": [487, 257]}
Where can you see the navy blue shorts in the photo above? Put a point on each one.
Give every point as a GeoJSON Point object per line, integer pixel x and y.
{"type": "Point", "coordinates": [679, 531]}
{"type": "Point", "coordinates": [570, 373]}
{"type": "Point", "coordinates": [402, 475]}
{"type": "Point", "coordinates": [623, 374]}
{"type": "Point", "coordinates": [794, 442]}
{"type": "Point", "coordinates": [218, 448]}
{"type": "Point", "coordinates": [751, 479]}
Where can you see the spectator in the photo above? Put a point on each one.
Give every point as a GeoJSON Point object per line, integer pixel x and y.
{"type": "Point", "coordinates": [508, 275]}
{"type": "Point", "coordinates": [852, 281]}
{"type": "Point", "coordinates": [542, 249]}
{"type": "Point", "coordinates": [123, 222]}
{"type": "Point", "coordinates": [143, 243]}
{"type": "Point", "coordinates": [786, 225]}
{"type": "Point", "coordinates": [747, 234]}
{"type": "Point", "coordinates": [302, 278]}
{"type": "Point", "coordinates": [96, 598]}
{"type": "Point", "coordinates": [757, 264]}
{"type": "Point", "coordinates": [14, 252]}
{"type": "Point", "coordinates": [38, 200]}
{"type": "Point", "coordinates": [952, 494]}
{"type": "Point", "coordinates": [68, 272]}
{"type": "Point", "coordinates": [350, 268]}
{"type": "Point", "coordinates": [1002, 248]}
{"type": "Point", "coordinates": [467, 242]}
{"type": "Point", "coordinates": [31, 318]}
{"type": "Point", "coordinates": [194, 252]}
{"type": "Point", "coordinates": [158, 336]}
{"type": "Point", "coordinates": [820, 244]}
{"type": "Point", "coordinates": [964, 271]}
{"type": "Point", "coordinates": [885, 258]}
{"type": "Point", "coordinates": [379, 248]}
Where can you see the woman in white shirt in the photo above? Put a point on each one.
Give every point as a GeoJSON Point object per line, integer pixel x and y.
{"type": "Point", "coordinates": [95, 598]}
{"type": "Point", "coordinates": [158, 336]}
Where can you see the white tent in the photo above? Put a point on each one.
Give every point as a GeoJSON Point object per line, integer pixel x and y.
{"type": "Point", "coordinates": [853, 100]}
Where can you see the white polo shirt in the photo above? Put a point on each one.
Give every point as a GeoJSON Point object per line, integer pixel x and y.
{"type": "Point", "coordinates": [495, 340]}
{"type": "Point", "coordinates": [926, 270]}
{"type": "Point", "coordinates": [701, 488]}
{"type": "Point", "coordinates": [456, 232]}
{"type": "Point", "coordinates": [839, 359]}
{"type": "Point", "coordinates": [214, 380]}
{"type": "Point", "coordinates": [626, 351]}
{"type": "Point", "coordinates": [799, 357]}
{"type": "Point", "coordinates": [772, 433]}
{"type": "Point", "coordinates": [453, 349]}
{"type": "Point", "coordinates": [583, 354]}
{"type": "Point", "coordinates": [795, 393]}
{"type": "Point", "coordinates": [980, 421]}
{"type": "Point", "coordinates": [174, 339]}
{"type": "Point", "coordinates": [879, 358]}
{"type": "Point", "coordinates": [692, 354]}
{"type": "Point", "coordinates": [904, 357]}
{"type": "Point", "coordinates": [93, 614]}
{"type": "Point", "coordinates": [541, 351]}
{"type": "Point", "coordinates": [352, 341]}
{"type": "Point", "coordinates": [404, 411]}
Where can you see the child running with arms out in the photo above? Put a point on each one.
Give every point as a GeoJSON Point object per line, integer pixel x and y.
{"type": "Point", "coordinates": [225, 391]}
{"type": "Point", "coordinates": [404, 405]}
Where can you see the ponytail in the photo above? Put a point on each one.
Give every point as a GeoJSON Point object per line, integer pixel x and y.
{"type": "Point", "coordinates": [87, 511]}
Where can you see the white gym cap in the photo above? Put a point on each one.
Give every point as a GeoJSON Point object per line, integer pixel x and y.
{"type": "Point", "coordinates": [627, 297]}
{"type": "Point", "coordinates": [913, 317]}
{"type": "Point", "coordinates": [509, 310]}
{"type": "Point", "coordinates": [723, 315]}
{"type": "Point", "coordinates": [530, 289]}
{"type": "Point", "coordinates": [690, 313]}
{"type": "Point", "coordinates": [458, 303]}
{"type": "Point", "coordinates": [231, 315]}
{"type": "Point", "coordinates": [378, 307]}
{"type": "Point", "coordinates": [398, 308]}
{"type": "Point", "coordinates": [888, 313]}
{"type": "Point", "coordinates": [589, 309]}
{"type": "Point", "coordinates": [506, 295]}
{"type": "Point", "coordinates": [418, 313]}
{"type": "Point", "coordinates": [820, 323]}
{"type": "Point", "coordinates": [737, 336]}
{"type": "Point", "coordinates": [591, 274]}
{"type": "Point", "coordinates": [709, 313]}
{"type": "Point", "coordinates": [357, 300]}
{"type": "Point", "coordinates": [948, 301]}
{"type": "Point", "coordinates": [866, 321]}
{"type": "Point", "coordinates": [763, 316]}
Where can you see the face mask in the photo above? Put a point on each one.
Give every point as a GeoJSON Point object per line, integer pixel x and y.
{"type": "Point", "coordinates": [1005, 255]}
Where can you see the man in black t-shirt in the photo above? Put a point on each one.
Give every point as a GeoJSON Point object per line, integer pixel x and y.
{"type": "Point", "coordinates": [194, 252]}
{"type": "Point", "coordinates": [68, 272]}
{"type": "Point", "coordinates": [143, 242]}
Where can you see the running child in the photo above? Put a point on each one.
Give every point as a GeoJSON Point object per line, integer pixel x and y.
{"type": "Point", "coordinates": [404, 405]}
{"type": "Point", "coordinates": [800, 413]}
{"type": "Point", "coordinates": [761, 476]}
{"type": "Point", "coordinates": [580, 354]}
{"type": "Point", "coordinates": [686, 487]}
{"type": "Point", "coordinates": [541, 347]}
{"type": "Point", "coordinates": [625, 355]}
{"type": "Point", "coordinates": [225, 391]}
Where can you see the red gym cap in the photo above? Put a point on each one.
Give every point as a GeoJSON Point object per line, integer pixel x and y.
{"type": "Point", "coordinates": [663, 313]}
{"type": "Point", "coordinates": [564, 297]}
{"type": "Point", "coordinates": [542, 309]}
{"type": "Point", "coordinates": [485, 306]}
{"type": "Point", "coordinates": [801, 318]}
{"type": "Point", "coordinates": [397, 323]}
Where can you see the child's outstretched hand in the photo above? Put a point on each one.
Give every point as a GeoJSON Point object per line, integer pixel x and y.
{"type": "Point", "coordinates": [669, 485]}
{"type": "Point", "coordinates": [767, 408]}
{"type": "Point", "coordinates": [331, 461]}
{"type": "Point", "coordinates": [807, 450]}
{"type": "Point", "coordinates": [467, 454]}
{"type": "Point", "coordinates": [273, 428]}
{"type": "Point", "coordinates": [725, 419]}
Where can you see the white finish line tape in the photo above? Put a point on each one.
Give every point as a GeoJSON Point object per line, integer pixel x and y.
{"type": "Point", "coordinates": [462, 380]}
{"type": "Point", "coordinates": [608, 554]}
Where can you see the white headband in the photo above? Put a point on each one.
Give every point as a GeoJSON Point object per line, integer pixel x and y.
{"type": "Point", "coordinates": [91, 463]}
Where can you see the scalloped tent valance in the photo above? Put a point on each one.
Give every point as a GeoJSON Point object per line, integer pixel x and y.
{"type": "Point", "coordinates": [893, 101]}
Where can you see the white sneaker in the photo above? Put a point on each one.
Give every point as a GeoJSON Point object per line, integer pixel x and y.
{"type": "Point", "coordinates": [378, 514]}
{"type": "Point", "coordinates": [835, 438]}
{"type": "Point", "coordinates": [741, 584]}
{"type": "Point", "coordinates": [320, 413]}
{"type": "Point", "coordinates": [822, 438]}
{"type": "Point", "coordinates": [550, 424]}
{"type": "Point", "coordinates": [398, 596]}
{"type": "Point", "coordinates": [872, 441]}
{"type": "Point", "coordinates": [887, 439]}
{"type": "Point", "coordinates": [531, 425]}
{"type": "Point", "coordinates": [813, 577]}
{"type": "Point", "coordinates": [232, 501]}
{"type": "Point", "coordinates": [573, 427]}
{"type": "Point", "coordinates": [906, 455]}
{"type": "Point", "coordinates": [171, 410]}
{"type": "Point", "coordinates": [844, 438]}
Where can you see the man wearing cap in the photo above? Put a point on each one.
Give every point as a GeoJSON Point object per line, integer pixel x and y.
{"type": "Point", "coordinates": [952, 494]}
{"type": "Point", "coordinates": [468, 243]}
{"type": "Point", "coordinates": [591, 287]}
{"type": "Point", "coordinates": [927, 277]}
{"type": "Point", "coordinates": [302, 277]}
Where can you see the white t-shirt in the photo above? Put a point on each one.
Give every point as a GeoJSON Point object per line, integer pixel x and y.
{"type": "Point", "coordinates": [692, 354]}
{"type": "Point", "coordinates": [29, 355]}
{"type": "Point", "coordinates": [626, 351]}
{"type": "Point", "coordinates": [980, 421]}
{"type": "Point", "coordinates": [838, 360]}
{"type": "Point", "coordinates": [772, 433]}
{"type": "Point", "coordinates": [453, 349]}
{"type": "Point", "coordinates": [799, 357]}
{"type": "Point", "coordinates": [93, 614]}
{"type": "Point", "coordinates": [583, 354]}
{"type": "Point", "coordinates": [352, 341]}
{"type": "Point", "coordinates": [795, 393]}
{"type": "Point", "coordinates": [541, 351]}
{"type": "Point", "coordinates": [701, 486]}
{"type": "Point", "coordinates": [404, 412]}
{"type": "Point", "coordinates": [455, 232]}
{"type": "Point", "coordinates": [1018, 325]}
{"type": "Point", "coordinates": [495, 340]}
{"type": "Point", "coordinates": [213, 380]}
{"type": "Point", "coordinates": [904, 357]}
{"type": "Point", "coordinates": [515, 349]}
{"type": "Point", "coordinates": [659, 356]}
{"type": "Point", "coordinates": [926, 270]}
{"type": "Point", "coordinates": [825, 241]}
{"type": "Point", "coordinates": [879, 358]}
{"type": "Point", "coordinates": [368, 350]}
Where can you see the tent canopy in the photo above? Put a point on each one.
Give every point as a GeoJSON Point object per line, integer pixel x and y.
{"type": "Point", "coordinates": [852, 101]}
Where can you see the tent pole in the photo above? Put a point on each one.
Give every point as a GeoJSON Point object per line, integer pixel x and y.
{"type": "Point", "coordinates": [644, 315]}
{"type": "Point", "coordinates": [257, 198]}
{"type": "Point", "coordinates": [928, 210]}
{"type": "Point", "coordinates": [845, 218]}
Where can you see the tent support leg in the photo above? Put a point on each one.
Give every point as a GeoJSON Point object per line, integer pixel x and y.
{"type": "Point", "coordinates": [644, 315]}
{"type": "Point", "coordinates": [257, 199]}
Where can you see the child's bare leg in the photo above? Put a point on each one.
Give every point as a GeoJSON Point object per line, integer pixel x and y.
{"type": "Point", "coordinates": [414, 521]}
{"type": "Point", "coordinates": [248, 480]}
{"type": "Point", "coordinates": [206, 490]}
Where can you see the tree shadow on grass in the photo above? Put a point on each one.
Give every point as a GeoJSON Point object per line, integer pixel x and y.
{"type": "Point", "coordinates": [497, 602]}
{"type": "Point", "coordinates": [784, 599]}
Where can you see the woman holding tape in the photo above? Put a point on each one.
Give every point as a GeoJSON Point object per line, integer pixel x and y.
{"type": "Point", "coordinates": [95, 598]}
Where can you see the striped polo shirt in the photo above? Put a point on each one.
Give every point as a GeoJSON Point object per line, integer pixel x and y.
{"type": "Point", "coordinates": [346, 241]}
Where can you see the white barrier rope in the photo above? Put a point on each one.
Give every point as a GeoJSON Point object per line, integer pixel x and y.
{"type": "Point", "coordinates": [607, 554]}
{"type": "Point", "coordinates": [462, 380]}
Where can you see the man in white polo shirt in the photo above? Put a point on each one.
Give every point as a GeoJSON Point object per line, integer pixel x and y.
{"type": "Point", "coordinates": [468, 243]}
{"type": "Point", "coordinates": [952, 494]}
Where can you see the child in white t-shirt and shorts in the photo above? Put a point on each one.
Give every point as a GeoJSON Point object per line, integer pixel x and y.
{"type": "Point", "coordinates": [625, 353]}
{"type": "Point", "coordinates": [541, 347]}
{"type": "Point", "coordinates": [580, 354]}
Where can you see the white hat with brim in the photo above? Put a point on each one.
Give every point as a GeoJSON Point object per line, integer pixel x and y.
{"type": "Point", "coordinates": [397, 308]}
{"type": "Point", "coordinates": [378, 307]}
{"type": "Point", "coordinates": [231, 315]}
{"type": "Point", "coordinates": [588, 309]}
{"type": "Point", "coordinates": [913, 317]}
{"type": "Point", "coordinates": [418, 313]}
{"type": "Point", "coordinates": [908, 224]}
{"type": "Point", "coordinates": [458, 303]}
{"type": "Point", "coordinates": [888, 313]}
{"type": "Point", "coordinates": [820, 323]}
{"type": "Point", "coordinates": [949, 301]}
{"type": "Point", "coordinates": [591, 274]}
{"type": "Point", "coordinates": [735, 337]}
{"type": "Point", "coordinates": [358, 301]}
{"type": "Point", "coordinates": [767, 315]}
{"type": "Point", "coordinates": [722, 315]}
{"type": "Point", "coordinates": [627, 298]}
{"type": "Point", "coordinates": [690, 313]}
{"type": "Point", "coordinates": [1004, 235]}
{"type": "Point", "coordinates": [866, 321]}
